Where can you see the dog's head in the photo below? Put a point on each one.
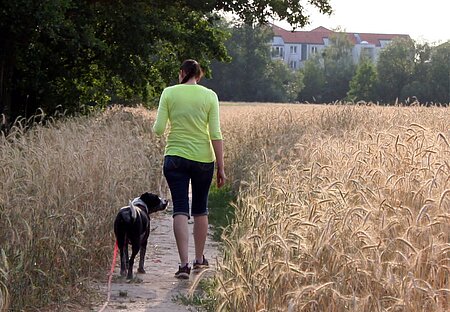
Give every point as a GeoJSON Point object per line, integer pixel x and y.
{"type": "Point", "coordinates": [154, 202]}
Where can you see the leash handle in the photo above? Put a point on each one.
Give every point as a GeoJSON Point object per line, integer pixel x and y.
{"type": "Point", "coordinates": [113, 264]}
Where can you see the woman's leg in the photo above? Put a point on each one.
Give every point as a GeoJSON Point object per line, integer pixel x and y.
{"type": "Point", "coordinates": [177, 176]}
{"type": "Point", "coordinates": [180, 229]}
{"type": "Point", "coordinates": [201, 178]}
{"type": "Point", "coordinates": [200, 233]}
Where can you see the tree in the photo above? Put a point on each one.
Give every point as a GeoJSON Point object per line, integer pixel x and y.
{"type": "Point", "coordinates": [262, 11]}
{"type": "Point", "coordinates": [419, 87]}
{"type": "Point", "coordinates": [284, 84]}
{"type": "Point", "coordinates": [363, 83]}
{"type": "Point", "coordinates": [73, 53]}
{"type": "Point", "coordinates": [252, 75]}
{"type": "Point", "coordinates": [313, 80]}
{"type": "Point", "coordinates": [338, 67]}
{"type": "Point", "coordinates": [395, 67]}
{"type": "Point", "coordinates": [243, 79]}
{"type": "Point", "coordinates": [440, 73]}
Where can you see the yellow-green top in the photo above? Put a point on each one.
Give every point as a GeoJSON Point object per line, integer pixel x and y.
{"type": "Point", "coordinates": [193, 114]}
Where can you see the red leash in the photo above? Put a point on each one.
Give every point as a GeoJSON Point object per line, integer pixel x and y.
{"type": "Point", "coordinates": [110, 278]}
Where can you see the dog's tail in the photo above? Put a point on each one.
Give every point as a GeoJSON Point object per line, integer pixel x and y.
{"type": "Point", "coordinates": [126, 217]}
{"type": "Point", "coordinates": [133, 210]}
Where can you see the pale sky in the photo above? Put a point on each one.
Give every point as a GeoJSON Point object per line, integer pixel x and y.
{"type": "Point", "coordinates": [424, 20]}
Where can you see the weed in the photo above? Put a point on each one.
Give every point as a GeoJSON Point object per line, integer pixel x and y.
{"type": "Point", "coordinates": [221, 212]}
{"type": "Point", "coordinates": [203, 298]}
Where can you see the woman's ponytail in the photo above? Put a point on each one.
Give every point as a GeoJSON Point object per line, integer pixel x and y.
{"type": "Point", "coordinates": [190, 68]}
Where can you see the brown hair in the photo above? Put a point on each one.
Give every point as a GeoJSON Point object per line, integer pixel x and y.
{"type": "Point", "coordinates": [191, 68]}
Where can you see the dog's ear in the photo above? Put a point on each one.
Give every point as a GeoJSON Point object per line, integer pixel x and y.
{"type": "Point", "coordinates": [151, 200]}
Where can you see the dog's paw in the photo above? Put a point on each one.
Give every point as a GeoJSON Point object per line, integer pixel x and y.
{"type": "Point", "coordinates": [142, 271]}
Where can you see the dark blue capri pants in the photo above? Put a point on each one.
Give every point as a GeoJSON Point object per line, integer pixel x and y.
{"type": "Point", "coordinates": [178, 172]}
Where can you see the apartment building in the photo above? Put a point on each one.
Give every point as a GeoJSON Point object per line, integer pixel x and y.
{"type": "Point", "coordinates": [295, 47]}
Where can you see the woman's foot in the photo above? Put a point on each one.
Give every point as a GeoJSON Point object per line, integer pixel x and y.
{"type": "Point", "coordinates": [183, 272]}
{"type": "Point", "coordinates": [198, 266]}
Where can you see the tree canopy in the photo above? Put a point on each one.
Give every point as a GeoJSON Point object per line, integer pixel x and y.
{"type": "Point", "coordinates": [363, 83]}
{"type": "Point", "coordinates": [440, 73]}
{"type": "Point", "coordinates": [338, 67]}
{"type": "Point", "coordinates": [314, 81]}
{"type": "Point", "coordinates": [72, 54]}
{"type": "Point", "coordinates": [252, 75]}
{"type": "Point", "coordinates": [395, 67]}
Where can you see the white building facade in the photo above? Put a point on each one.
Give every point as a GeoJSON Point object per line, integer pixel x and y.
{"type": "Point", "coordinates": [295, 47]}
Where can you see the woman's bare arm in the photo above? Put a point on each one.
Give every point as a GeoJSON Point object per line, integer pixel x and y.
{"type": "Point", "coordinates": [218, 151]}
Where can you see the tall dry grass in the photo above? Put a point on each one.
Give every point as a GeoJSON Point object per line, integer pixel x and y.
{"type": "Point", "coordinates": [340, 208]}
{"type": "Point", "coordinates": [60, 188]}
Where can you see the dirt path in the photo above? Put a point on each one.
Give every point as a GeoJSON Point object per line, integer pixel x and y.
{"type": "Point", "coordinates": [156, 290]}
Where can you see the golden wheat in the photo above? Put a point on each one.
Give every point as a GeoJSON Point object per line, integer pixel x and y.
{"type": "Point", "coordinates": [339, 208]}
{"type": "Point", "coordinates": [344, 208]}
{"type": "Point", "coordinates": [60, 187]}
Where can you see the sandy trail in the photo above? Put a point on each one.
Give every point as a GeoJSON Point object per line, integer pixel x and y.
{"type": "Point", "coordinates": [158, 288]}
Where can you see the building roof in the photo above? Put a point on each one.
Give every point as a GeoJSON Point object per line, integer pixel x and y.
{"type": "Point", "coordinates": [317, 36]}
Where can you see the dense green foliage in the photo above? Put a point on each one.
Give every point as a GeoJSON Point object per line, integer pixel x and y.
{"type": "Point", "coordinates": [77, 53]}
{"type": "Point", "coordinates": [364, 82]}
{"type": "Point", "coordinates": [405, 71]}
{"type": "Point", "coordinates": [314, 81]}
{"type": "Point", "coordinates": [409, 71]}
{"type": "Point", "coordinates": [252, 75]}
{"type": "Point", "coordinates": [338, 67]}
{"type": "Point", "coordinates": [327, 75]}
{"type": "Point", "coordinates": [395, 67]}
{"type": "Point", "coordinates": [71, 55]}
{"type": "Point", "coordinates": [439, 73]}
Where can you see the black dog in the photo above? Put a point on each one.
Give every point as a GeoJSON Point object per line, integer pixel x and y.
{"type": "Point", "coordinates": [132, 225]}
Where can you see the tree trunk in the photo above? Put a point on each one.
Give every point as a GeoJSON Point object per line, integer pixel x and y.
{"type": "Point", "coordinates": [5, 92]}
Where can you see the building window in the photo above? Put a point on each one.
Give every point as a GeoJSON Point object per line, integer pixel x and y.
{"type": "Point", "coordinates": [303, 55]}
{"type": "Point", "coordinates": [277, 52]}
{"type": "Point", "coordinates": [313, 49]}
{"type": "Point", "coordinates": [367, 53]}
{"type": "Point", "coordinates": [293, 64]}
{"type": "Point", "coordinates": [384, 43]}
{"type": "Point", "coordinates": [293, 49]}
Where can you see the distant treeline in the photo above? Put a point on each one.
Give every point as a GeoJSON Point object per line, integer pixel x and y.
{"type": "Point", "coordinates": [406, 71]}
{"type": "Point", "coordinates": [71, 56]}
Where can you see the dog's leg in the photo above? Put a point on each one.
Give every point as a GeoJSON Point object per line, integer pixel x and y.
{"type": "Point", "coordinates": [144, 240]}
{"type": "Point", "coordinates": [126, 252]}
{"type": "Point", "coordinates": [134, 252]}
{"type": "Point", "coordinates": [142, 255]}
{"type": "Point", "coordinates": [122, 244]}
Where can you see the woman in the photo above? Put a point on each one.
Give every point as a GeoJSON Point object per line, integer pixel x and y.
{"type": "Point", "coordinates": [193, 144]}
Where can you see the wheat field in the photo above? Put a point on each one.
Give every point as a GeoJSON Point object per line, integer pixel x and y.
{"type": "Point", "coordinates": [60, 188]}
{"type": "Point", "coordinates": [339, 207]}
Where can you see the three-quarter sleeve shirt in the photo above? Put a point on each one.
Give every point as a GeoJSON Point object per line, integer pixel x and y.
{"type": "Point", "coordinates": [193, 115]}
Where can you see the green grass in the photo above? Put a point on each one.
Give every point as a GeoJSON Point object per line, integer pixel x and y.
{"type": "Point", "coordinates": [203, 299]}
{"type": "Point", "coordinates": [221, 213]}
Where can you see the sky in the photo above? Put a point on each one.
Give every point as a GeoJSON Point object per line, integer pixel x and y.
{"type": "Point", "coordinates": [423, 20]}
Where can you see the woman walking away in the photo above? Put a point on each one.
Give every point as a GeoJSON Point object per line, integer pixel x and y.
{"type": "Point", "coordinates": [193, 144]}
